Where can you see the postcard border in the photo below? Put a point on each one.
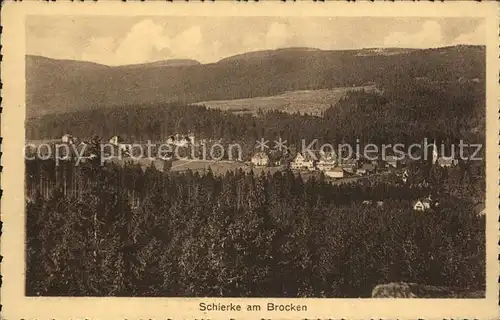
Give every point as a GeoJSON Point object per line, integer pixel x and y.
{"type": "Point", "coordinates": [17, 306]}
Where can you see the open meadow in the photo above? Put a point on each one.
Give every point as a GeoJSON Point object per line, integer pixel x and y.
{"type": "Point", "coordinates": [312, 102]}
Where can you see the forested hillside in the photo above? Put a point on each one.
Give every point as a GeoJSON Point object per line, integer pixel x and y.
{"type": "Point", "coordinates": [119, 231]}
{"type": "Point", "coordinates": [59, 86]}
{"type": "Point", "coordinates": [406, 112]}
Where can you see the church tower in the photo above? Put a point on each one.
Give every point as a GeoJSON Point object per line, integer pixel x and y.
{"type": "Point", "coordinates": [434, 152]}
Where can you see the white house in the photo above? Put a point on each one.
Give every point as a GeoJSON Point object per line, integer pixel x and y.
{"type": "Point", "coordinates": [115, 140]}
{"type": "Point", "coordinates": [67, 138]}
{"type": "Point", "coordinates": [442, 161]}
{"type": "Point", "coordinates": [336, 173]}
{"type": "Point", "coordinates": [260, 159]}
{"type": "Point", "coordinates": [191, 138]}
{"type": "Point", "coordinates": [327, 161]}
{"type": "Point", "coordinates": [370, 202]}
{"type": "Point", "coordinates": [181, 140]}
{"type": "Point", "coordinates": [304, 161]}
{"type": "Point", "coordinates": [422, 205]}
{"type": "Point", "coordinates": [446, 161]}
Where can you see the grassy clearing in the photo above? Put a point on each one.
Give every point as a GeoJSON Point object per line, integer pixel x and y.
{"type": "Point", "coordinates": [219, 167]}
{"type": "Point", "coordinates": [303, 101]}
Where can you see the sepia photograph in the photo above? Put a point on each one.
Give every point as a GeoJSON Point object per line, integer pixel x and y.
{"type": "Point", "coordinates": [262, 156]}
{"type": "Point", "coordinates": [244, 192]}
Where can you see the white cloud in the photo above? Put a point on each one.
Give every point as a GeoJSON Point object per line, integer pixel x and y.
{"type": "Point", "coordinates": [146, 41]}
{"type": "Point", "coordinates": [143, 39]}
{"type": "Point", "coordinates": [277, 35]}
{"type": "Point", "coordinates": [187, 43]}
{"type": "Point", "coordinates": [476, 37]}
{"type": "Point", "coordinates": [430, 35]}
{"type": "Point", "coordinates": [153, 39]}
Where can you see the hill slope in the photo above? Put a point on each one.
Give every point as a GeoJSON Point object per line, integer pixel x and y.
{"type": "Point", "coordinates": [59, 86]}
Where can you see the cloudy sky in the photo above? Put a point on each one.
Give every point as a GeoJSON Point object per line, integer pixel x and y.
{"type": "Point", "coordinates": [127, 40]}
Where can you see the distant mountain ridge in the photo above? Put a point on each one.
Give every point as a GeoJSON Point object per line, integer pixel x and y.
{"type": "Point", "coordinates": [35, 61]}
{"type": "Point", "coordinates": [163, 63]}
{"type": "Point", "coordinates": [60, 86]}
{"type": "Point", "coordinates": [261, 54]}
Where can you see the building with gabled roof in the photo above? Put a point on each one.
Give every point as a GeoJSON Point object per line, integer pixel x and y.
{"type": "Point", "coordinates": [365, 168]}
{"type": "Point", "coordinates": [391, 161]}
{"type": "Point", "coordinates": [305, 160]}
{"type": "Point", "coordinates": [349, 165]}
{"type": "Point", "coordinates": [67, 138]}
{"type": "Point", "coordinates": [423, 204]}
{"type": "Point", "coordinates": [480, 209]}
{"type": "Point", "coordinates": [327, 161]}
{"type": "Point", "coordinates": [260, 159]}
{"type": "Point", "coordinates": [336, 173]}
{"type": "Point", "coordinates": [446, 162]}
{"type": "Point", "coordinates": [115, 140]}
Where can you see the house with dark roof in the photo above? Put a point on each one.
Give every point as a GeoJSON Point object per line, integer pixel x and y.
{"type": "Point", "coordinates": [391, 161]}
{"type": "Point", "coordinates": [480, 209]}
{"type": "Point", "coordinates": [121, 149]}
{"type": "Point", "coordinates": [366, 168]}
{"type": "Point", "coordinates": [349, 165]}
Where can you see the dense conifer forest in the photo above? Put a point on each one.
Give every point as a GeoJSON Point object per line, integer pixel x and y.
{"type": "Point", "coordinates": [121, 231]}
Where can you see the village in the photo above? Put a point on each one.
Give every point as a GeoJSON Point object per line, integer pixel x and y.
{"type": "Point", "coordinates": [335, 168]}
{"type": "Point", "coordinates": [339, 169]}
